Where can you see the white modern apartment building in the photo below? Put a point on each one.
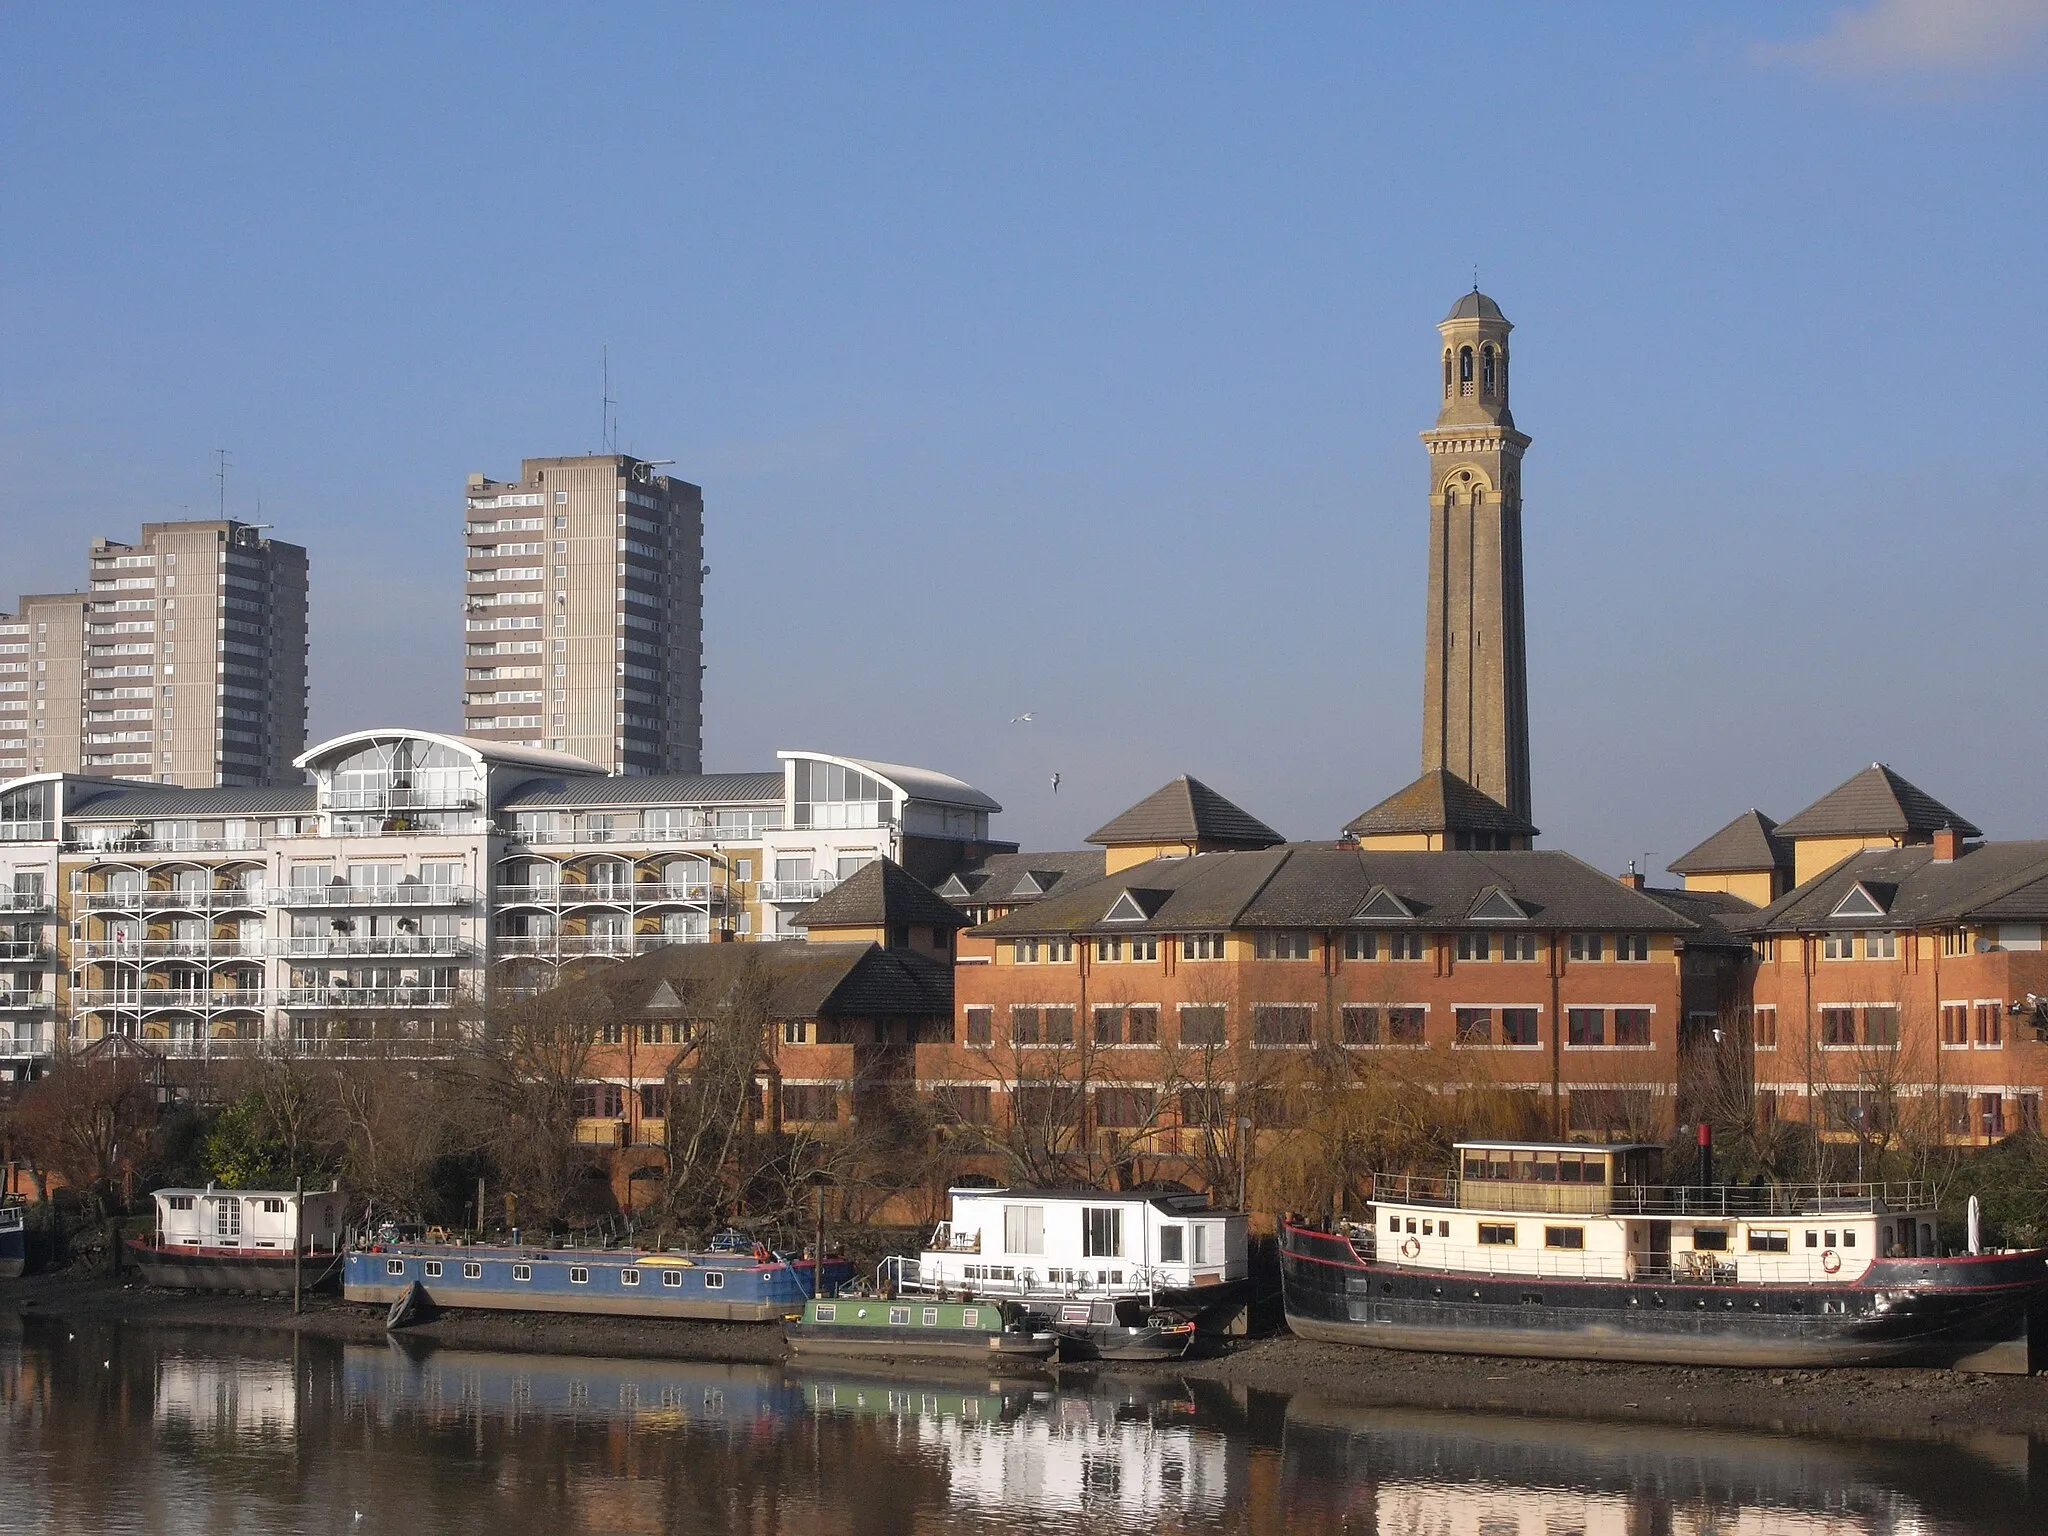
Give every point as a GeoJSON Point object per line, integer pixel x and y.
{"type": "Point", "coordinates": [382, 906]}
{"type": "Point", "coordinates": [583, 613]}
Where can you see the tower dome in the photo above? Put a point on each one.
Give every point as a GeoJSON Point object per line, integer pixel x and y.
{"type": "Point", "coordinates": [1475, 306]}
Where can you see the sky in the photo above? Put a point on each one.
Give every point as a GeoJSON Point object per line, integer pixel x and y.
{"type": "Point", "coordinates": [1069, 360]}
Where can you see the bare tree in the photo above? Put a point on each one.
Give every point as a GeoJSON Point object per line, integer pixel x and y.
{"type": "Point", "coordinates": [88, 1121]}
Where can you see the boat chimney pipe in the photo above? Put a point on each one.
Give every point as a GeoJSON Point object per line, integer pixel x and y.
{"type": "Point", "coordinates": [1706, 1143]}
{"type": "Point", "coordinates": [1976, 1245]}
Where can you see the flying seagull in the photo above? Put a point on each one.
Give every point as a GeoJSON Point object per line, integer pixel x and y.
{"type": "Point", "coordinates": [1023, 719]}
{"type": "Point", "coordinates": [1055, 783]}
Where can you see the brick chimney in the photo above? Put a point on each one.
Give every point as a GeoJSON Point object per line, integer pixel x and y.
{"type": "Point", "coordinates": [1948, 845]}
{"type": "Point", "coordinates": [1633, 879]}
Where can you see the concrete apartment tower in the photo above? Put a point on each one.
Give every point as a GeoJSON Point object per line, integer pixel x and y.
{"type": "Point", "coordinates": [184, 662]}
{"type": "Point", "coordinates": [1475, 699]}
{"type": "Point", "coordinates": [583, 624]}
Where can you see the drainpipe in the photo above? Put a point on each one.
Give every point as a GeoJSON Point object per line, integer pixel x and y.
{"type": "Point", "coordinates": [1556, 1041]}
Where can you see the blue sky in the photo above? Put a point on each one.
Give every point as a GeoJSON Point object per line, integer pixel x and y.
{"type": "Point", "coordinates": [1070, 359]}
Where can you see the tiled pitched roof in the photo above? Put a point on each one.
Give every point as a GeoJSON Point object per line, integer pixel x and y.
{"type": "Point", "coordinates": [1438, 802]}
{"type": "Point", "coordinates": [1013, 879]}
{"type": "Point", "coordinates": [1316, 885]}
{"type": "Point", "coordinates": [1875, 802]}
{"type": "Point", "coordinates": [1748, 843]}
{"type": "Point", "coordinates": [1186, 810]}
{"type": "Point", "coordinates": [804, 981]}
{"type": "Point", "coordinates": [1723, 919]}
{"type": "Point", "coordinates": [1990, 882]}
{"type": "Point", "coordinates": [878, 893]}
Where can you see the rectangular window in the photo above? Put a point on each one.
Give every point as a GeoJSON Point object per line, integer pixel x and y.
{"type": "Point", "coordinates": [672, 1278]}
{"type": "Point", "coordinates": [1631, 1026]}
{"type": "Point", "coordinates": [1764, 1029]}
{"type": "Point", "coordinates": [1518, 1026]}
{"type": "Point", "coordinates": [472, 1271]}
{"type": "Point", "coordinates": [1282, 1023]}
{"type": "Point", "coordinates": [394, 1266]}
{"type": "Point", "coordinates": [1564, 1237]}
{"type": "Point", "coordinates": [522, 1272]}
{"type": "Point", "coordinates": [1585, 1026]}
{"type": "Point", "coordinates": [1631, 946]}
{"type": "Point", "coordinates": [1496, 1234]}
{"type": "Point", "coordinates": [713, 1280]}
{"type": "Point", "coordinates": [1518, 946]}
{"type": "Point", "coordinates": [1361, 946]}
{"type": "Point", "coordinates": [1059, 951]}
{"type": "Point", "coordinates": [1475, 946]}
{"type": "Point", "coordinates": [1201, 946]}
{"type": "Point", "coordinates": [1058, 1024]}
{"type": "Point", "coordinates": [1124, 1109]}
{"type": "Point", "coordinates": [1404, 1026]}
{"type": "Point", "coordinates": [1111, 948]}
{"type": "Point", "coordinates": [1361, 1026]}
{"type": "Point", "coordinates": [1764, 950]}
{"type": "Point", "coordinates": [826, 1312]}
{"type": "Point", "coordinates": [1838, 946]}
{"type": "Point", "coordinates": [980, 1024]}
{"type": "Point", "coordinates": [1881, 1026]}
{"type": "Point", "coordinates": [1023, 1229]}
{"type": "Point", "coordinates": [1170, 1245]}
{"type": "Point", "coordinates": [1281, 946]}
{"type": "Point", "coordinates": [1204, 1106]}
{"type": "Point", "coordinates": [1202, 1024]}
{"type": "Point", "coordinates": [1710, 1239]}
{"type": "Point", "coordinates": [1586, 946]}
{"type": "Point", "coordinates": [966, 1103]}
{"type": "Point", "coordinates": [1991, 1114]}
{"type": "Point", "coordinates": [1475, 1026]}
{"type": "Point", "coordinates": [1141, 1024]}
{"type": "Point", "coordinates": [1025, 951]}
{"type": "Point", "coordinates": [1109, 1024]}
{"type": "Point", "coordinates": [931, 1317]}
{"type": "Point", "coordinates": [816, 1103]}
{"type": "Point", "coordinates": [1408, 946]}
{"type": "Point", "coordinates": [899, 1317]}
{"type": "Point", "coordinates": [1955, 941]}
{"type": "Point", "coordinates": [1024, 1024]}
{"type": "Point", "coordinates": [1145, 947]}
{"type": "Point", "coordinates": [433, 1269]}
{"type": "Point", "coordinates": [1990, 1026]}
{"type": "Point", "coordinates": [1838, 1026]}
{"type": "Point", "coordinates": [1881, 945]}
{"type": "Point", "coordinates": [1955, 1025]}
{"type": "Point", "coordinates": [1763, 1241]}
{"type": "Point", "coordinates": [1102, 1233]}
{"type": "Point", "coordinates": [970, 1317]}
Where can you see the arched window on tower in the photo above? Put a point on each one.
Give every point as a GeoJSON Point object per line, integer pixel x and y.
{"type": "Point", "coordinates": [1486, 371]}
{"type": "Point", "coordinates": [1464, 370]}
{"type": "Point", "coordinates": [1503, 375]}
{"type": "Point", "coordinates": [1447, 373]}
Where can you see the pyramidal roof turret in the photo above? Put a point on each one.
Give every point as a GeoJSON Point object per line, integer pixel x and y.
{"type": "Point", "coordinates": [1876, 803]}
{"type": "Point", "coordinates": [1186, 811]}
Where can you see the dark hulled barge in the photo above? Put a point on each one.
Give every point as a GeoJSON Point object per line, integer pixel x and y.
{"type": "Point", "coordinates": [1578, 1251]}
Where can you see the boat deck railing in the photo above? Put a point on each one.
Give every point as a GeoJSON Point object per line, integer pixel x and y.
{"type": "Point", "coordinates": [1729, 1200]}
{"type": "Point", "coordinates": [904, 1274]}
{"type": "Point", "coordinates": [1695, 1267]}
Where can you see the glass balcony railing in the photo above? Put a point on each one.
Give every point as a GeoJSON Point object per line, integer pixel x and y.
{"type": "Point", "coordinates": [100, 951]}
{"type": "Point", "coordinates": [190, 899]}
{"type": "Point", "coordinates": [148, 999]}
{"type": "Point", "coordinates": [373, 896]}
{"type": "Point", "coordinates": [367, 997]}
{"type": "Point", "coordinates": [797, 890]}
{"type": "Point", "coordinates": [397, 945]}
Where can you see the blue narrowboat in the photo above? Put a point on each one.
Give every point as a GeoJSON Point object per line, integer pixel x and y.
{"type": "Point", "coordinates": [733, 1281]}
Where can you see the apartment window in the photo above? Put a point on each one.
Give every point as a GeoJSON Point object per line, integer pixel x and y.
{"type": "Point", "coordinates": [1955, 1025]}
{"type": "Point", "coordinates": [1025, 951]}
{"type": "Point", "coordinates": [1024, 1028]}
{"type": "Point", "coordinates": [1475, 946]}
{"type": "Point", "coordinates": [1518, 946]}
{"type": "Point", "coordinates": [1838, 1026]}
{"type": "Point", "coordinates": [1764, 950]}
{"type": "Point", "coordinates": [1109, 1025]}
{"type": "Point", "coordinates": [794, 1031]}
{"type": "Point", "coordinates": [1202, 1024]}
{"type": "Point", "coordinates": [1059, 951]}
{"type": "Point", "coordinates": [810, 1102]}
{"type": "Point", "coordinates": [1838, 946]}
{"type": "Point", "coordinates": [1763, 1029]}
{"type": "Point", "coordinates": [1475, 1026]}
{"type": "Point", "coordinates": [1955, 941]}
{"type": "Point", "coordinates": [1281, 946]}
{"type": "Point", "coordinates": [1990, 1114]}
{"type": "Point", "coordinates": [1405, 1026]}
{"type": "Point", "coordinates": [1141, 1024]}
{"type": "Point", "coordinates": [1058, 1024]}
{"type": "Point", "coordinates": [969, 1105]}
{"type": "Point", "coordinates": [980, 1024]}
{"type": "Point", "coordinates": [1881, 1026]}
{"type": "Point", "coordinates": [1990, 1026]}
{"type": "Point", "coordinates": [1631, 1026]}
{"type": "Point", "coordinates": [1586, 946]}
{"type": "Point", "coordinates": [1881, 945]}
{"type": "Point", "coordinates": [1282, 1023]}
{"type": "Point", "coordinates": [1361, 946]}
{"type": "Point", "coordinates": [1145, 948]}
{"type": "Point", "coordinates": [1358, 1025]}
{"type": "Point", "coordinates": [1518, 1026]}
{"type": "Point", "coordinates": [1585, 1026]}
{"type": "Point", "coordinates": [1631, 946]}
{"type": "Point", "coordinates": [1109, 949]}
{"type": "Point", "coordinates": [1201, 946]}
{"type": "Point", "coordinates": [1407, 946]}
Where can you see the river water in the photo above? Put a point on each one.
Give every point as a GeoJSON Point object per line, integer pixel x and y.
{"type": "Point", "coordinates": [130, 1428]}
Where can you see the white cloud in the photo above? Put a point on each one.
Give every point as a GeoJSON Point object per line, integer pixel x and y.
{"type": "Point", "coordinates": [1920, 37]}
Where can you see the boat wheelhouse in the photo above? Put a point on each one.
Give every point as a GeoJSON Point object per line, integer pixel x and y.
{"type": "Point", "coordinates": [216, 1239]}
{"type": "Point", "coordinates": [1574, 1249]}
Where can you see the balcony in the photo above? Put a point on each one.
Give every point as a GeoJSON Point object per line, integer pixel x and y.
{"type": "Point", "coordinates": [24, 901]}
{"type": "Point", "coordinates": [27, 831]}
{"type": "Point", "coordinates": [396, 799]}
{"type": "Point", "coordinates": [201, 899]}
{"type": "Point", "coordinates": [127, 845]}
{"type": "Point", "coordinates": [98, 951]}
{"type": "Point", "coordinates": [796, 890]}
{"type": "Point", "coordinates": [394, 945]}
{"type": "Point", "coordinates": [745, 831]}
{"type": "Point", "coordinates": [643, 893]}
{"type": "Point", "coordinates": [368, 997]}
{"type": "Point", "coordinates": [21, 1038]}
{"type": "Point", "coordinates": [373, 896]}
{"type": "Point", "coordinates": [156, 999]}
{"type": "Point", "coordinates": [508, 946]}
{"type": "Point", "coordinates": [19, 952]}
{"type": "Point", "coordinates": [14, 1001]}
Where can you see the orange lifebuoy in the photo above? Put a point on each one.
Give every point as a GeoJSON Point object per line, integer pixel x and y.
{"type": "Point", "coordinates": [1831, 1261]}
{"type": "Point", "coordinates": [1410, 1248]}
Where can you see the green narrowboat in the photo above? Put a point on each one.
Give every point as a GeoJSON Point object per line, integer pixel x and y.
{"type": "Point", "coordinates": [914, 1327]}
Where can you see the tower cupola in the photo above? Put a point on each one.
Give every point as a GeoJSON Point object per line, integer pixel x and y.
{"type": "Point", "coordinates": [1475, 349]}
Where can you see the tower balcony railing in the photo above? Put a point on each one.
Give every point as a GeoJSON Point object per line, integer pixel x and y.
{"type": "Point", "coordinates": [397, 945]}
{"type": "Point", "coordinates": [373, 896]}
{"type": "Point", "coordinates": [157, 999]}
{"type": "Point", "coordinates": [190, 899]}
{"type": "Point", "coordinates": [368, 997]}
{"type": "Point", "coordinates": [100, 951]}
{"type": "Point", "coordinates": [797, 890]}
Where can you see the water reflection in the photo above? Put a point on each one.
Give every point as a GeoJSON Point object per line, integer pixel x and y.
{"type": "Point", "coordinates": [146, 1430]}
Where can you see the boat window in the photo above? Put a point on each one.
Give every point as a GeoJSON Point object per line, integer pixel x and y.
{"type": "Point", "coordinates": [433, 1269]}
{"type": "Point", "coordinates": [931, 1317]}
{"type": "Point", "coordinates": [181, 1202]}
{"type": "Point", "coordinates": [1710, 1239]}
{"type": "Point", "coordinates": [273, 1207]}
{"type": "Point", "coordinates": [1849, 1238]}
{"type": "Point", "coordinates": [522, 1271]}
{"type": "Point", "coordinates": [1831, 1239]}
{"type": "Point", "coordinates": [1564, 1237]}
{"type": "Point", "coordinates": [970, 1317]}
{"type": "Point", "coordinates": [1475, 1165]}
{"type": "Point", "coordinates": [1394, 1224]}
{"type": "Point", "coordinates": [1023, 1229]}
{"type": "Point", "coordinates": [472, 1271]}
{"type": "Point", "coordinates": [1496, 1234]}
{"type": "Point", "coordinates": [713, 1280]}
{"type": "Point", "coordinates": [825, 1312]}
{"type": "Point", "coordinates": [671, 1277]}
{"type": "Point", "coordinates": [899, 1317]}
{"type": "Point", "coordinates": [1170, 1246]}
{"type": "Point", "coordinates": [394, 1266]}
{"type": "Point", "coordinates": [579, 1276]}
{"type": "Point", "coordinates": [1429, 1229]}
{"type": "Point", "coordinates": [1813, 1239]}
{"type": "Point", "coordinates": [1762, 1241]}
{"type": "Point", "coordinates": [1411, 1223]}
{"type": "Point", "coordinates": [629, 1277]}
{"type": "Point", "coordinates": [1102, 1233]}
{"type": "Point", "coordinates": [1198, 1235]}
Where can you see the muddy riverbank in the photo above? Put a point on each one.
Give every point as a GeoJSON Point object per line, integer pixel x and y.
{"type": "Point", "coordinates": [1946, 1404]}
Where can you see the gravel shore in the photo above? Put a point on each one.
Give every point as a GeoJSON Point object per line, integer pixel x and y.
{"type": "Point", "coordinates": [1944, 1404]}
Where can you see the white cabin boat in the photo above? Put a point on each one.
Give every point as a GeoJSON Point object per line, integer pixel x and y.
{"type": "Point", "coordinates": [215, 1239]}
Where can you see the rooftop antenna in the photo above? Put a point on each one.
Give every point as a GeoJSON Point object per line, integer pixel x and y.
{"type": "Point", "coordinates": [609, 437]}
{"type": "Point", "coordinates": [220, 475]}
{"type": "Point", "coordinates": [1475, 277]}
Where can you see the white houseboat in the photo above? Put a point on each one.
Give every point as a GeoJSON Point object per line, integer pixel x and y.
{"type": "Point", "coordinates": [240, 1239]}
{"type": "Point", "coordinates": [1120, 1275]}
{"type": "Point", "coordinates": [1570, 1249]}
